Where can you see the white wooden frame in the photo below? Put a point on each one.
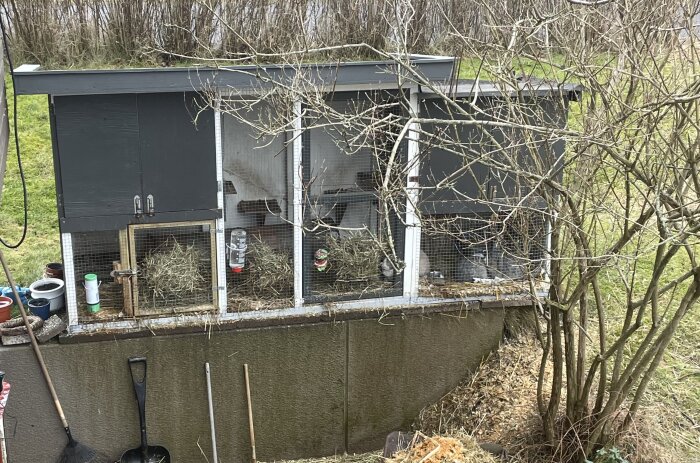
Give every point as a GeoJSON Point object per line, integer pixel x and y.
{"type": "Point", "coordinates": [69, 279]}
{"type": "Point", "coordinates": [220, 222]}
{"type": "Point", "coordinates": [413, 227]}
{"type": "Point", "coordinates": [297, 201]}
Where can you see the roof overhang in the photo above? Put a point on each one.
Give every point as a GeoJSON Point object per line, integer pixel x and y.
{"type": "Point", "coordinates": [474, 88]}
{"type": "Point", "coordinates": [30, 80]}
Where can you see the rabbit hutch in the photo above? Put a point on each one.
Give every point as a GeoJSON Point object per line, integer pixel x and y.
{"type": "Point", "coordinates": [179, 190]}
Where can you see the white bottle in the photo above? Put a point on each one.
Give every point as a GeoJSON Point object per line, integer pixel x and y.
{"type": "Point", "coordinates": [236, 250]}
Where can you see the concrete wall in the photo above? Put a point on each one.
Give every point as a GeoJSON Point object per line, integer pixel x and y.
{"type": "Point", "coordinates": [318, 389]}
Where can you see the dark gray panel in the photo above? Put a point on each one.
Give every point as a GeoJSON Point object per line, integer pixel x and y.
{"type": "Point", "coordinates": [98, 148]}
{"type": "Point", "coordinates": [495, 146]}
{"type": "Point", "coordinates": [178, 154]}
{"type": "Point", "coordinates": [535, 153]}
{"type": "Point", "coordinates": [467, 176]}
{"type": "Point", "coordinates": [297, 388]}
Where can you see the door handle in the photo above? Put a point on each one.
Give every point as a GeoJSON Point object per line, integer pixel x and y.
{"type": "Point", "coordinates": [138, 207]}
{"type": "Point", "coordinates": [150, 206]}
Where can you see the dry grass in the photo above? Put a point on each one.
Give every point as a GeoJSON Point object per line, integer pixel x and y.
{"type": "Point", "coordinates": [371, 457]}
{"type": "Point", "coordinates": [355, 257]}
{"type": "Point", "coordinates": [266, 283]}
{"type": "Point", "coordinates": [270, 271]}
{"type": "Point", "coordinates": [172, 270]}
{"type": "Point", "coordinates": [456, 290]}
{"type": "Point", "coordinates": [496, 403]}
{"type": "Point", "coordinates": [442, 449]}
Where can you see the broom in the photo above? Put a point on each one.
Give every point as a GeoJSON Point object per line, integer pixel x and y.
{"type": "Point", "coordinates": [74, 452]}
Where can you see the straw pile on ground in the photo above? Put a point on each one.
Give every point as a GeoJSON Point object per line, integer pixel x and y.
{"type": "Point", "coordinates": [494, 405]}
{"type": "Point", "coordinates": [440, 449]}
{"type": "Point", "coordinates": [172, 270]}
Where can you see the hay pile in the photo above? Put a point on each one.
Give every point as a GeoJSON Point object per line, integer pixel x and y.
{"type": "Point", "coordinates": [270, 271]}
{"type": "Point", "coordinates": [497, 404]}
{"type": "Point", "coordinates": [440, 449]}
{"type": "Point", "coordinates": [463, 290]}
{"type": "Point", "coordinates": [355, 257]}
{"type": "Point", "coordinates": [172, 270]}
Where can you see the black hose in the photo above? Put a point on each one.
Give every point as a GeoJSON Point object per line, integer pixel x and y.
{"type": "Point", "coordinates": [19, 157]}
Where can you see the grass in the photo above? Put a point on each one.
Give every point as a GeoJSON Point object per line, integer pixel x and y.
{"type": "Point", "coordinates": [42, 244]}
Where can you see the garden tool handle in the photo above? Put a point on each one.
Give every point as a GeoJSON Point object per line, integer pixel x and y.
{"type": "Point", "coordinates": [35, 347]}
{"type": "Point", "coordinates": [140, 391]}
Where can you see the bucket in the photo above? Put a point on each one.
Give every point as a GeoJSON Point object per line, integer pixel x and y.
{"type": "Point", "coordinates": [54, 270]}
{"type": "Point", "coordinates": [92, 292]}
{"type": "Point", "coordinates": [51, 289]}
{"type": "Point", "coordinates": [5, 308]}
{"type": "Point", "coordinates": [40, 307]}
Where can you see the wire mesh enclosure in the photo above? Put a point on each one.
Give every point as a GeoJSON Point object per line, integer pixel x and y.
{"type": "Point", "coordinates": [175, 267]}
{"type": "Point", "coordinates": [99, 253]}
{"type": "Point", "coordinates": [353, 238]}
{"type": "Point", "coordinates": [257, 171]}
{"type": "Point", "coordinates": [471, 253]}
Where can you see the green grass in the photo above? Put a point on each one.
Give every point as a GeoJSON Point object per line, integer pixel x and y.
{"type": "Point", "coordinates": [42, 244]}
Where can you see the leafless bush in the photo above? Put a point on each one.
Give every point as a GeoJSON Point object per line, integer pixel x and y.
{"type": "Point", "coordinates": [79, 32]}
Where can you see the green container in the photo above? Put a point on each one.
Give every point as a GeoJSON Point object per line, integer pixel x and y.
{"type": "Point", "coordinates": [92, 293]}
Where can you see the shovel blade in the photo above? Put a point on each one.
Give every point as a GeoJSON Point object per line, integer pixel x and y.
{"type": "Point", "coordinates": [154, 454]}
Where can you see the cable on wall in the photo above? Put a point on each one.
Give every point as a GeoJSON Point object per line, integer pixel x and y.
{"type": "Point", "coordinates": [16, 137]}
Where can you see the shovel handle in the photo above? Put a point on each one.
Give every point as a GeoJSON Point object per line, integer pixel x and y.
{"type": "Point", "coordinates": [140, 391]}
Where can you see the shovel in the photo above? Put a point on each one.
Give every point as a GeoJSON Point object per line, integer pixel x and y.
{"type": "Point", "coordinates": [145, 453]}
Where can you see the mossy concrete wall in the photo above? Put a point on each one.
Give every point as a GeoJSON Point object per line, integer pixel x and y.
{"type": "Point", "coordinates": [318, 389]}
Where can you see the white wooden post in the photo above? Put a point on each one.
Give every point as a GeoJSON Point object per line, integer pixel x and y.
{"type": "Point", "coordinates": [220, 222]}
{"type": "Point", "coordinates": [413, 227]}
{"type": "Point", "coordinates": [69, 278]}
{"type": "Point", "coordinates": [298, 205]}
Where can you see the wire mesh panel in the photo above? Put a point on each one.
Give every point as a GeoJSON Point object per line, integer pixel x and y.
{"type": "Point", "coordinates": [353, 238]}
{"type": "Point", "coordinates": [99, 253]}
{"type": "Point", "coordinates": [175, 267]}
{"type": "Point", "coordinates": [469, 254]}
{"type": "Point", "coordinates": [257, 187]}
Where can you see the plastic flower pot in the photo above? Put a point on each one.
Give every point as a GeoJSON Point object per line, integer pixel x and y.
{"type": "Point", "coordinates": [51, 289]}
{"type": "Point", "coordinates": [40, 307]}
{"type": "Point", "coordinates": [5, 308]}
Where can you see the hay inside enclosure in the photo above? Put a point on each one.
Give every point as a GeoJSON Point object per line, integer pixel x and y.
{"type": "Point", "coordinates": [270, 271]}
{"type": "Point", "coordinates": [172, 271]}
{"type": "Point", "coordinates": [440, 449]}
{"type": "Point", "coordinates": [355, 257]}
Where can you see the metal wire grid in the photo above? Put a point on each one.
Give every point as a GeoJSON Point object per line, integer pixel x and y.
{"type": "Point", "coordinates": [350, 249]}
{"type": "Point", "coordinates": [96, 253]}
{"type": "Point", "coordinates": [176, 267]}
{"type": "Point", "coordinates": [509, 245]}
{"type": "Point", "coordinates": [258, 182]}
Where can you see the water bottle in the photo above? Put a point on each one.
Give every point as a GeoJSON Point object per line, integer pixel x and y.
{"type": "Point", "coordinates": [92, 293]}
{"type": "Point", "coordinates": [236, 250]}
